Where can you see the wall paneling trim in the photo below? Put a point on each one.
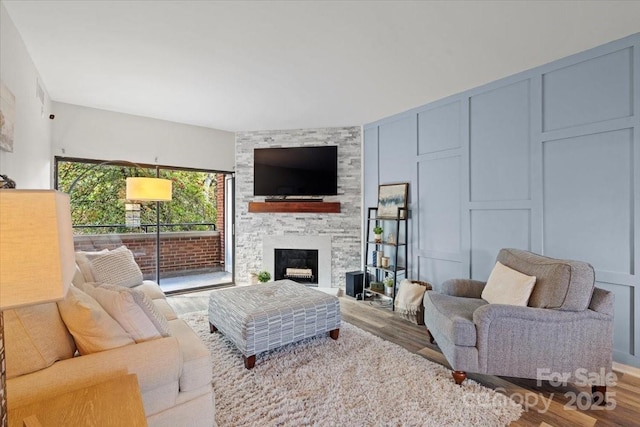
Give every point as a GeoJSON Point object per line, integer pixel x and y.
{"type": "Point", "coordinates": [547, 160]}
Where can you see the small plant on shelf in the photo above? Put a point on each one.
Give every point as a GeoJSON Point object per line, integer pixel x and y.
{"type": "Point", "coordinates": [388, 285]}
{"type": "Point", "coordinates": [264, 276]}
{"type": "Point", "coordinates": [377, 233]}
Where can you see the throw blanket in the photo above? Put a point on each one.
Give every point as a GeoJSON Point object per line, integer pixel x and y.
{"type": "Point", "coordinates": [409, 297]}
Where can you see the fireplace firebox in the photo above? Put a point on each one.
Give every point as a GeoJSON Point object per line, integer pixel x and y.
{"type": "Point", "coordinates": [299, 265]}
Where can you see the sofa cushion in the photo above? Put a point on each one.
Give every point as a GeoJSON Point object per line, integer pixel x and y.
{"type": "Point", "coordinates": [508, 286]}
{"type": "Point", "coordinates": [452, 316]}
{"type": "Point", "coordinates": [196, 359]}
{"type": "Point", "coordinates": [123, 304]}
{"type": "Point", "coordinates": [35, 337]}
{"type": "Point", "coordinates": [560, 284]}
{"type": "Point", "coordinates": [91, 326]}
{"type": "Point", "coordinates": [117, 267]}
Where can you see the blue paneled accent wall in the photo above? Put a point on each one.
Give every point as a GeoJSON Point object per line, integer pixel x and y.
{"type": "Point", "coordinates": [547, 160]}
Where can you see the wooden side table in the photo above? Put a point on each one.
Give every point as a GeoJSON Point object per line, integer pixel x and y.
{"type": "Point", "coordinates": [113, 403]}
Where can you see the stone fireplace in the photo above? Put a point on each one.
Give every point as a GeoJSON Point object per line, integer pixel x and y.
{"type": "Point", "coordinates": [301, 253]}
{"type": "Point", "coordinates": [336, 236]}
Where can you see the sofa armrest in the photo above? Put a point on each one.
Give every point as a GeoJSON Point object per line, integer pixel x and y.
{"type": "Point", "coordinates": [462, 288]}
{"type": "Point", "coordinates": [156, 363]}
{"type": "Point", "coordinates": [602, 301]}
{"type": "Point", "coordinates": [493, 312]}
{"type": "Point", "coordinates": [519, 341]}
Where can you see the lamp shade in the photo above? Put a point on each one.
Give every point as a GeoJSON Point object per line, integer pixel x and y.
{"type": "Point", "coordinates": [149, 189]}
{"type": "Point", "coordinates": [37, 260]}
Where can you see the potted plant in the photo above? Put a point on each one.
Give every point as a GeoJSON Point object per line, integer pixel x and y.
{"type": "Point", "coordinates": [264, 276]}
{"type": "Point", "coordinates": [377, 233]}
{"type": "Point", "coordinates": [388, 285]}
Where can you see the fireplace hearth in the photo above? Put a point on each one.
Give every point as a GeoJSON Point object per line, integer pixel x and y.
{"type": "Point", "coordinates": [299, 265]}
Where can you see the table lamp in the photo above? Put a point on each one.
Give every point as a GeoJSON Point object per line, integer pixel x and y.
{"type": "Point", "coordinates": [37, 260]}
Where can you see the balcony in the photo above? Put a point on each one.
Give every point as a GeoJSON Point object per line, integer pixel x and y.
{"type": "Point", "coordinates": [188, 259]}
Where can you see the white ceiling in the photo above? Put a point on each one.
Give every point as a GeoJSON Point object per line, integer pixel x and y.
{"type": "Point", "coordinates": [296, 64]}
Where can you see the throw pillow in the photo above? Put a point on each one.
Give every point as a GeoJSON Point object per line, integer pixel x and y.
{"type": "Point", "coordinates": [91, 326]}
{"type": "Point", "coordinates": [508, 286]}
{"type": "Point", "coordinates": [117, 267]}
{"type": "Point", "coordinates": [83, 261]}
{"type": "Point", "coordinates": [35, 338]}
{"type": "Point", "coordinates": [125, 306]}
{"type": "Point", "coordinates": [145, 304]}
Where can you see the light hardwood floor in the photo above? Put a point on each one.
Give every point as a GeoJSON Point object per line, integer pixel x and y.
{"type": "Point", "coordinates": [386, 324]}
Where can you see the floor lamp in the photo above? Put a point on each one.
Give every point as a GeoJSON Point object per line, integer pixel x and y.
{"type": "Point", "coordinates": [151, 190]}
{"type": "Point", "coordinates": [37, 260]}
{"type": "Point", "coordinates": [144, 189]}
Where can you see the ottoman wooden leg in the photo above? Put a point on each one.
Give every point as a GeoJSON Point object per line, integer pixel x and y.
{"type": "Point", "coordinates": [334, 333]}
{"type": "Point", "coordinates": [249, 362]}
{"type": "Point", "coordinates": [212, 328]}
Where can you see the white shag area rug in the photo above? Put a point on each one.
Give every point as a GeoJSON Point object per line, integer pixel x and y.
{"type": "Point", "coordinates": [357, 380]}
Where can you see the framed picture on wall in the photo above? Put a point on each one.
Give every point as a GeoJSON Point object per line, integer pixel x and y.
{"type": "Point", "coordinates": [390, 198]}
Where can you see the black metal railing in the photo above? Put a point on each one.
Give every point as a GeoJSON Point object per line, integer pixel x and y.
{"type": "Point", "coordinates": [144, 228]}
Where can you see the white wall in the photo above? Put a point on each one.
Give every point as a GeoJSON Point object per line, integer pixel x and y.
{"type": "Point", "coordinates": [30, 162]}
{"type": "Point", "coordinates": [105, 135]}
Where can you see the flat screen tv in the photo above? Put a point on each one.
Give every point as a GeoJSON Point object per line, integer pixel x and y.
{"type": "Point", "coordinates": [296, 171]}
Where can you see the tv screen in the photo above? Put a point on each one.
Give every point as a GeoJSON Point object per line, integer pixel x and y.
{"type": "Point", "coordinates": [296, 171]}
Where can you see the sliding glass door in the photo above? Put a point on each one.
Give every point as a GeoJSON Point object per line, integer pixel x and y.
{"type": "Point", "coordinates": [192, 239]}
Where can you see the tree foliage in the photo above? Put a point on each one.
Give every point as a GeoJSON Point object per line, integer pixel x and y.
{"type": "Point", "coordinates": [98, 198]}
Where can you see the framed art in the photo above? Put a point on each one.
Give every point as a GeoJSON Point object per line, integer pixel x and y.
{"type": "Point", "coordinates": [390, 198]}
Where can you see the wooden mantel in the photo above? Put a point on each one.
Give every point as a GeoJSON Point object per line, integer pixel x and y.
{"type": "Point", "coordinates": [295, 207]}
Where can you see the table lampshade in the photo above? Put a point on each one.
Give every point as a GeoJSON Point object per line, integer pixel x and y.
{"type": "Point", "coordinates": [37, 260]}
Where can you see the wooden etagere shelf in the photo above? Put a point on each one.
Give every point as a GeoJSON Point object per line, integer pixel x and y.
{"type": "Point", "coordinates": [294, 207]}
{"type": "Point", "coordinates": [395, 251]}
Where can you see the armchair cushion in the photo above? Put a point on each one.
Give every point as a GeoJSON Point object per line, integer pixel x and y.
{"type": "Point", "coordinates": [561, 284]}
{"type": "Point", "coordinates": [453, 316]}
{"type": "Point", "coordinates": [508, 286]}
{"type": "Point", "coordinates": [462, 288]}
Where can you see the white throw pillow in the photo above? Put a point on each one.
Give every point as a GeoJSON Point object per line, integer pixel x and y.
{"type": "Point", "coordinates": [35, 337]}
{"type": "Point", "coordinates": [117, 267]}
{"type": "Point", "coordinates": [83, 262]}
{"type": "Point", "coordinates": [147, 306]}
{"type": "Point", "coordinates": [92, 328]}
{"type": "Point", "coordinates": [508, 286]}
{"type": "Point", "coordinates": [119, 302]}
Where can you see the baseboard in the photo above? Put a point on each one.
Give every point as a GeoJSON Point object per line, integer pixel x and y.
{"type": "Point", "coordinates": [626, 369]}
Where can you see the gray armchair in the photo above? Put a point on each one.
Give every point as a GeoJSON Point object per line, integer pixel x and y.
{"type": "Point", "coordinates": [566, 328]}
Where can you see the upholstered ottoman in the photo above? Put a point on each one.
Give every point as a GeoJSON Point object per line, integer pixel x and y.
{"type": "Point", "coordinates": [262, 317]}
